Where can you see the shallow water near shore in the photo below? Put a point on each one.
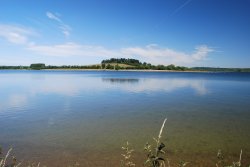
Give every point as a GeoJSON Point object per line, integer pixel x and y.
{"type": "Point", "coordinates": [63, 117]}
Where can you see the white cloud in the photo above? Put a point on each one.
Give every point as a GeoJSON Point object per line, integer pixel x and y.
{"type": "Point", "coordinates": [160, 55]}
{"type": "Point", "coordinates": [72, 49]}
{"type": "Point", "coordinates": [150, 53]}
{"type": "Point", "coordinates": [67, 49]}
{"type": "Point", "coordinates": [53, 17]}
{"type": "Point", "coordinates": [201, 52]}
{"type": "Point", "coordinates": [65, 29]}
{"type": "Point", "coordinates": [15, 34]}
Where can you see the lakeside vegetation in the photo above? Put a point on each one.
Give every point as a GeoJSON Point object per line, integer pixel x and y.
{"type": "Point", "coordinates": [125, 64]}
{"type": "Point", "coordinates": [155, 157]}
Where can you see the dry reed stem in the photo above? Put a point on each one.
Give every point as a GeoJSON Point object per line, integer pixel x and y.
{"type": "Point", "coordinates": [168, 162]}
{"type": "Point", "coordinates": [163, 124]}
{"type": "Point", "coordinates": [2, 163]}
{"type": "Point", "coordinates": [159, 136]}
{"type": "Point", "coordinates": [240, 157]}
{"type": "Point", "coordinates": [18, 164]}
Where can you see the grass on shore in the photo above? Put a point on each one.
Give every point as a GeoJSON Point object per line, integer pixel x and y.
{"type": "Point", "coordinates": [155, 156]}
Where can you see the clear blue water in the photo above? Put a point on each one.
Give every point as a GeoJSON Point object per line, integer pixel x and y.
{"type": "Point", "coordinates": [61, 117]}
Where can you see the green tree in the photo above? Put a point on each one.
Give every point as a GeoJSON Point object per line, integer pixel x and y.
{"type": "Point", "coordinates": [37, 66]}
{"type": "Point", "coordinates": [103, 65]}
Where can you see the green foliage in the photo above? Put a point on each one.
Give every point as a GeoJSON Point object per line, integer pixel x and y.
{"type": "Point", "coordinates": [217, 69]}
{"type": "Point", "coordinates": [137, 65]}
{"type": "Point", "coordinates": [73, 67]}
{"type": "Point", "coordinates": [117, 67]}
{"type": "Point", "coordinates": [154, 159]}
{"type": "Point", "coordinates": [155, 156]}
{"type": "Point", "coordinates": [103, 65]}
{"type": "Point", "coordinates": [37, 66]}
{"type": "Point", "coordinates": [133, 62]}
{"type": "Point", "coordinates": [14, 67]}
{"type": "Point", "coordinates": [110, 67]}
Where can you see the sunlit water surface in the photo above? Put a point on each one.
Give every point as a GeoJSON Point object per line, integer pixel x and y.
{"type": "Point", "coordinates": [63, 117]}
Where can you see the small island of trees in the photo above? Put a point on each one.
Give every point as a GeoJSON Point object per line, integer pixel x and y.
{"type": "Point", "coordinates": [127, 64]}
{"type": "Point", "coordinates": [38, 66]}
{"type": "Point", "coordinates": [124, 64]}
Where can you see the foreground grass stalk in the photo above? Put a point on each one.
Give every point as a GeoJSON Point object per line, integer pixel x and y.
{"type": "Point", "coordinates": [155, 158]}
{"type": "Point", "coordinates": [127, 162]}
{"type": "Point", "coordinates": [3, 161]}
{"type": "Point", "coordinates": [159, 136]}
{"type": "Point", "coordinates": [222, 163]}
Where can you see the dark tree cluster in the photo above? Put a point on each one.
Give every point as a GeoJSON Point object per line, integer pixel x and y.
{"type": "Point", "coordinates": [13, 67]}
{"type": "Point", "coordinates": [37, 66]}
{"type": "Point", "coordinates": [133, 62]}
{"type": "Point", "coordinates": [218, 69]}
{"type": "Point", "coordinates": [73, 67]}
{"type": "Point", "coordinates": [136, 64]}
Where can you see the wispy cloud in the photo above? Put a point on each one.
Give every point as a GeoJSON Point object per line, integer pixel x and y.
{"type": "Point", "coordinates": [65, 29]}
{"type": "Point", "coordinates": [202, 52]}
{"type": "Point", "coordinates": [15, 34]}
{"type": "Point", "coordinates": [151, 53]}
{"type": "Point", "coordinates": [181, 7]}
{"type": "Point", "coordinates": [73, 49]}
{"type": "Point", "coordinates": [53, 17]}
{"type": "Point", "coordinates": [163, 55]}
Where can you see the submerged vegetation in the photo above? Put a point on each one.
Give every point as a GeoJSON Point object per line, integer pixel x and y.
{"type": "Point", "coordinates": [155, 157]}
{"type": "Point", "coordinates": [124, 64]}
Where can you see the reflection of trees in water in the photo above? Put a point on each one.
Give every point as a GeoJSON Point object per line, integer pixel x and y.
{"type": "Point", "coordinates": [120, 80]}
{"type": "Point", "coordinates": [155, 84]}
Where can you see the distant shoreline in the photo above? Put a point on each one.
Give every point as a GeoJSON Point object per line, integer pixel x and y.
{"type": "Point", "coordinates": [102, 70]}
{"type": "Point", "coordinates": [123, 64]}
{"type": "Point", "coordinates": [120, 70]}
{"type": "Point", "coordinates": [128, 70]}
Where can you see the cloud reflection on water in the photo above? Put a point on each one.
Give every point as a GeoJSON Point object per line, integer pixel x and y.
{"type": "Point", "coordinates": [78, 85]}
{"type": "Point", "coordinates": [155, 84]}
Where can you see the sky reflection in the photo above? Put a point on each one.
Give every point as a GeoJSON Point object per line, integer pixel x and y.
{"type": "Point", "coordinates": [19, 89]}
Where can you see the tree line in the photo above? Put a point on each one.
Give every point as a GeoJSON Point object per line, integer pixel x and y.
{"type": "Point", "coordinates": [114, 63]}
{"type": "Point", "coordinates": [125, 64]}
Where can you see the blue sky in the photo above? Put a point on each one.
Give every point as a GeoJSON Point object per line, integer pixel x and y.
{"type": "Point", "coordinates": [212, 33]}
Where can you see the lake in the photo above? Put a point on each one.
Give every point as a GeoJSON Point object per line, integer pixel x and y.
{"type": "Point", "coordinates": [60, 118]}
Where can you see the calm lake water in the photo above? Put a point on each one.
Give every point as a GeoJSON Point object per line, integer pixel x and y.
{"type": "Point", "coordinates": [62, 117]}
